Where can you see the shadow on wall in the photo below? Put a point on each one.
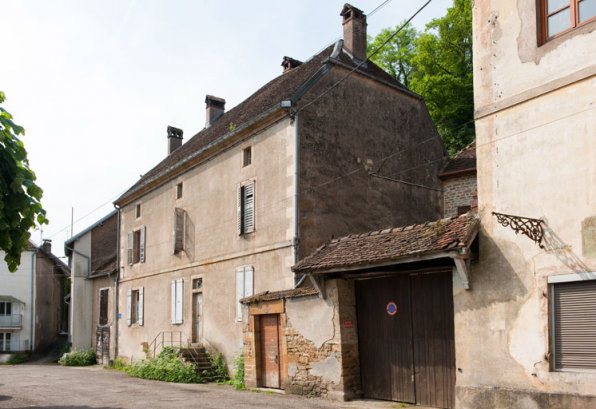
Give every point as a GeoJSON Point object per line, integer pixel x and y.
{"type": "Point", "coordinates": [554, 245]}
{"type": "Point", "coordinates": [493, 279]}
{"type": "Point", "coordinates": [189, 239]}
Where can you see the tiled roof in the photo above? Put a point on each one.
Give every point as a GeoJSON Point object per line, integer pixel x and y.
{"type": "Point", "coordinates": [391, 244]}
{"type": "Point", "coordinates": [278, 295]}
{"type": "Point", "coordinates": [266, 98]}
{"type": "Point", "coordinates": [108, 267]}
{"type": "Point", "coordinates": [465, 160]}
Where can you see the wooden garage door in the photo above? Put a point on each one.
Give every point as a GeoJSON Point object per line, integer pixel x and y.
{"type": "Point", "coordinates": [406, 339]}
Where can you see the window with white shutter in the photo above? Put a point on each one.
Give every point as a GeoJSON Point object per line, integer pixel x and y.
{"type": "Point", "coordinates": [179, 224]}
{"type": "Point", "coordinates": [142, 245]}
{"type": "Point", "coordinates": [129, 247]}
{"type": "Point", "coordinates": [140, 305]}
{"type": "Point", "coordinates": [177, 301]}
{"type": "Point", "coordinates": [244, 287]}
{"type": "Point", "coordinates": [129, 307]}
{"type": "Point", "coordinates": [136, 246]}
{"type": "Point", "coordinates": [134, 306]}
{"type": "Point", "coordinates": [246, 208]}
{"type": "Point", "coordinates": [573, 312]}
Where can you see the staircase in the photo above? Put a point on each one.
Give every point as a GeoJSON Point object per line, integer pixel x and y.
{"type": "Point", "coordinates": [197, 356]}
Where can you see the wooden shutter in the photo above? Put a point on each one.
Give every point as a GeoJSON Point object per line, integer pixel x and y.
{"type": "Point", "coordinates": [140, 306]}
{"type": "Point", "coordinates": [179, 299]}
{"type": "Point", "coordinates": [240, 207]}
{"type": "Point", "coordinates": [575, 332]}
{"type": "Point", "coordinates": [178, 230]}
{"type": "Point", "coordinates": [129, 247]}
{"type": "Point", "coordinates": [173, 302]}
{"type": "Point", "coordinates": [248, 281]}
{"type": "Point", "coordinates": [129, 307]}
{"type": "Point", "coordinates": [142, 246]}
{"type": "Point", "coordinates": [239, 290]}
{"type": "Point", "coordinates": [249, 207]}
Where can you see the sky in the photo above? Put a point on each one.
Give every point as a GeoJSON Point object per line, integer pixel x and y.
{"type": "Point", "coordinates": [96, 83]}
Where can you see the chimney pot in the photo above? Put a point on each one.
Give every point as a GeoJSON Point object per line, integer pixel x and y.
{"type": "Point", "coordinates": [46, 246]}
{"type": "Point", "coordinates": [289, 63]}
{"type": "Point", "coordinates": [215, 108]}
{"type": "Point", "coordinates": [174, 139]}
{"type": "Point", "coordinates": [354, 22]}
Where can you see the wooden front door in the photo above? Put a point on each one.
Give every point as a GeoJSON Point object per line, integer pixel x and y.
{"type": "Point", "coordinates": [102, 345]}
{"type": "Point", "coordinates": [406, 339]}
{"type": "Point", "coordinates": [270, 350]}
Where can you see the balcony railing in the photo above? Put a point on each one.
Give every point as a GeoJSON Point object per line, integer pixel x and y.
{"type": "Point", "coordinates": [11, 321]}
{"type": "Point", "coordinates": [14, 345]}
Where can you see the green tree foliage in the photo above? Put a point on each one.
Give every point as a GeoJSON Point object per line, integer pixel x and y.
{"type": "Point", "coordinates": [438, 65]}
{"type": "Point", "coordinates": [20, 208]}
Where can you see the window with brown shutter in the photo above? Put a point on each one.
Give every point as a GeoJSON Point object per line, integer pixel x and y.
{"type": "Point", "coordinates": [179, 221]}
{"type": "Point", "coordinates": [103, 306]}
{"type": "Point", "coordinates": [136, 246]}
{"type": "Point", "coordinates": [246, 208]}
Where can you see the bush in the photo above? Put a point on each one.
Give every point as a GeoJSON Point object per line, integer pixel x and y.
{"type": "Point", "coordinates": [166, 367]}
{"type": "Point", "coordinates": [78, 358]}
{"type": "Point", "coordinates": [219, 367]}
{"type": "Point", "coordinates": [168, 352]}
{"type": "Point", "coordinates": [237, 380]}
{"type": "Point", "coordinates": [119, 364]}
{"type": "Point", "coordinates": [16, 359]}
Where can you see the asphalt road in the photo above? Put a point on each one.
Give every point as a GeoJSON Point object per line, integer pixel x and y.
{"type": "Point", "coordinates": [54, 386]}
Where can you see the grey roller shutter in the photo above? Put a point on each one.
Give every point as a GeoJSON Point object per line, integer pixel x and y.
{"type": "Point", "coordinates": [575, 325]}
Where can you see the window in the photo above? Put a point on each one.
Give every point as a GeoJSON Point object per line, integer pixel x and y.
{"type": "Point", "coordinates": [179, 222]}
{"type": "Point", "coordinates": [177, 300]}
{"type": "Point", "coordinates": [246, 208]}
{"type": "Point", "coordinates": [136, 246]}
{"type": "Point", "coordinates": [138, 210]}
{"type": "Point", "coordinates": [5, 341]}
{"type": "Point", "coordinates": [244, 287]}
{"type": "Point", "coordinates": [179, 191]}
{"type": "Point", "coordinates": [134, 306]}
{"type": "Point", "coordinates": [573, 308]}
{"type": "Point", "coordinates": [5, 308]}
{"type": "Point", "coordinates": [103, 306]}
{"type": "Point", "coordinates": [559, 16]}
{"type": "Point", "coordinates": [247, 156]}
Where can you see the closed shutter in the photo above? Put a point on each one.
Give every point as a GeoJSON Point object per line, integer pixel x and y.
{"type": "Point", "coordinates": [173, 302]}
{"type": "Point", "coordinates": [239, 291]}
{"type": "Point", "coordinates": [129, 307]}
{"type": "Point", "coordinates": [240, 218]}
{"type": "Point", "coordinates": [129, 247]}
{"type": "Point", "coordinates": [142, 246]}
{"type": "Point", "coordinates": [248, 281]}
{"type": "Point", "coordinates": [178, 230]}
{"type": "Point", "coordinates": [179, 297]}
{"type": "Point", "coordinates": [575, 325]}
{"type": "Point", "coordinates": [140, 306]}
{"type": "Point", "coordinates": [249, 207]}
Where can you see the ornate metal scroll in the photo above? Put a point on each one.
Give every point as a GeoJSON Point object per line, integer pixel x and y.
{"type": "Point", "coordinates": [524, 225]}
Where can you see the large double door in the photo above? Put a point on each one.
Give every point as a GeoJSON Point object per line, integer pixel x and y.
{"type": "Point", "coordinates": [406, 338]}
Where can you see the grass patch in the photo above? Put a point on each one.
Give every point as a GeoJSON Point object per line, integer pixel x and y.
{"type": "Point", "coordinates": [118, 364]}
{"type": "Point", "coordinates": [78, 358]}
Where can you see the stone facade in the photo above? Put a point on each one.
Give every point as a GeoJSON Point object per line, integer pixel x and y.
{"type": "Point", "coordinates": [458, 193]}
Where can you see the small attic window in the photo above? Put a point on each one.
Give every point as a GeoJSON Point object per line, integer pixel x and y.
{"type": "Point", "coordinates": [179, 191]}
{"type": "Point", "coordinates": [138, 211]}
{"type": "Point", "coordinates": [247, 156]}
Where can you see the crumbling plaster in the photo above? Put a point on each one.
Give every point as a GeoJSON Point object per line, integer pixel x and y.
{"type": "Point", "coordinates": [313, 318]}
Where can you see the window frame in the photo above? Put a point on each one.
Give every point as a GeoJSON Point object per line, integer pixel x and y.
{"type": "Point", "coordinates": [179, 190]}
{"type": "Point", "coordinates": [7, 306]}
{"type": "Point", "coordinates": [247, 154]}
{"type": "Point", "coordinates": [135, 306]}
{"type": "Point", "coordinates": [552, 281]}
{"type": "Point", "coordinates": [103, 320]}
{"type": "Point", "coordinates": [3, 336]}
{"type": "Point", "coordinates": [138, 211]}
{"type": "Point", "coordinates": [243, 207]}
{"type": "Point", "coordinates": [573, 6]}
{"type": "Point", "coordinates": [136, 246]}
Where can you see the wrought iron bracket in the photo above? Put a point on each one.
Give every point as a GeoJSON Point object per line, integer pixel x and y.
{"type": "Point", "coordinates": [531, 228]}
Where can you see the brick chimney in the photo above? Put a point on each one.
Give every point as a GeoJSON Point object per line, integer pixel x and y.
{"type": "Point", "coordinates": [215, 108]}
{"type": "Point", "coordinates": [289, 63]}
{"type": "Point", "coordinates": [354, 22]}
{"type": "Point", "coordinates": [47, 246]}
{"type": "Point", "coordinates": [174, 139]}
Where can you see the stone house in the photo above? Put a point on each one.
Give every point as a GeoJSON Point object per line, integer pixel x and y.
{"type": "Point", "coordinates": [459, 182]}
{"type": "Point", "coordinates": [227, 214]}
{"type": "Point", "coordinates": [32, 312]}
{"type": "Point", "coordinates": [92, 257]}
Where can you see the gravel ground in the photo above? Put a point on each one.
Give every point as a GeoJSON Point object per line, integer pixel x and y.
{"type": "Point", "coordinates": [54, 386]}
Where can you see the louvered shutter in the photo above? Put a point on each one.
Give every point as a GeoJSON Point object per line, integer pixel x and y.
{"type": "Point", "coordinates": [142, 246]}
{"type": "Point", "coordinates": [129, 307]}
{"type": "Point", "coordinates": [249, 207]}
{"type": "Point", "coordinates": [248, 281]}
{"type": "Point", "coordinates": [178, 230]}
{"type": "Point", "coordinates": [179, 300]}
{"type": "Point", "coordinates": [239, 290]}
{"type": "Point", "coordinates": [140, 306]}
{"type": "Point", "coordinates": [173, 302]}
{"type": "Point", "coordinates": [240, 218]}
{"type": "Point", "coordinates": [129, 247]}
{"type": "Point", "coordinates": [575, 328]}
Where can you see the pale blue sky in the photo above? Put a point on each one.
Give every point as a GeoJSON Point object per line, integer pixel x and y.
{"type": "Point", "coordinates": [96, 83]}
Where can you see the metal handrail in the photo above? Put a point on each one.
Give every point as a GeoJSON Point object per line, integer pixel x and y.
{"type": "Point", "coordinates": [158, 344]}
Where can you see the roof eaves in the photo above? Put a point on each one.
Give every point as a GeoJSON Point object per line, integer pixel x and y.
{"type": "Point", "coordinates": [127, 195]}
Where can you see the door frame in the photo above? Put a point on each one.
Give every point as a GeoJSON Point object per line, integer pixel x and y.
{"type": "Point", "coordinates": [193, 281]}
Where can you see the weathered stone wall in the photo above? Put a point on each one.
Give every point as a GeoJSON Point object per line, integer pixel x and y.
{"type": "Point", "coordinates": [457, 192]}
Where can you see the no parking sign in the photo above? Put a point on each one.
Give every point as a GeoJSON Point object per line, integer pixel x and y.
{"type": "Point", "coordinates": [391, 308]}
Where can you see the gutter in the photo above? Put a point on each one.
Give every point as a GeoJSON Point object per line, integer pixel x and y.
{"type": "Point", "coordinates": [82, 255]}
{"type": "Point", "coordinates": [31, 329]}
{"type": "Point", "coordinates": [116, 278]}
{"type": "Point", "coordinates": [297, 282]}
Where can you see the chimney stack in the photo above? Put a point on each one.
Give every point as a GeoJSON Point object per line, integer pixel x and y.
{"type": "Point", "coordinates": [47, 246]}
{"type": "Point", "coordinates": [215, 108]}
{"type": "Point", "coordinates": [174, 139]}
{"type": "Point", "coordinates": [289, 63]}
{"type": "Point", "coordinates": [354, 22]}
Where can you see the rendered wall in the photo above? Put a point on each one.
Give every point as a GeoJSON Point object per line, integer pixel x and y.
{"type": "Point", "coordinates": [48, 301]}
{"type": "Point", "coordinates": [535, 149]}
{"type": "Point", "coordinates": [81, 301]}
